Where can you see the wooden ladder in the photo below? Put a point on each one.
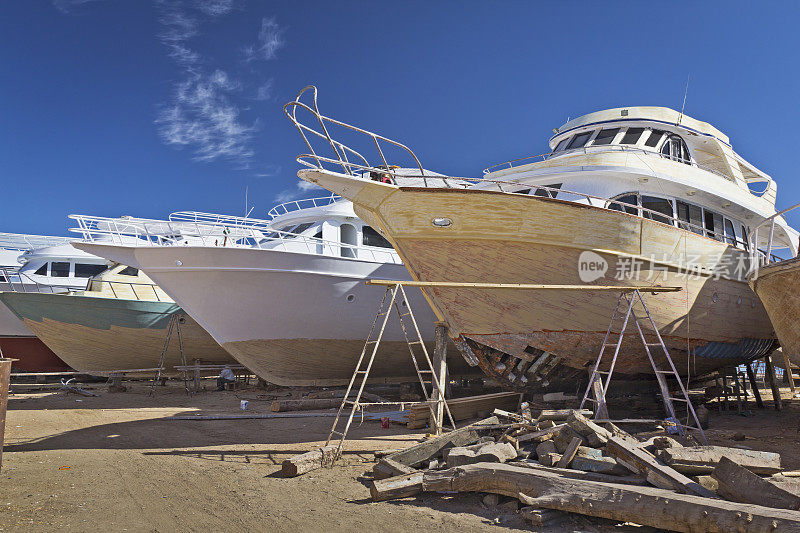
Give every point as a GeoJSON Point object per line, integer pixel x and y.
{"type": "Point", "coordinates": [360, 376]}
{"type": "Point", "coordinates": [598, 388]}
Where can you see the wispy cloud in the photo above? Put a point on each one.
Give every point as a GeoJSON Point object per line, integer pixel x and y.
{"type": "Point", "coordinates": [66, 6]}
{"type": "Point", "coordinates": [270, 39]}
{"type": "Point", "coordinates": [202, 114]}
{"type": "Point", "coordinates": [264, 91]}
{"type": "Point", "coordinates": [300, 190]}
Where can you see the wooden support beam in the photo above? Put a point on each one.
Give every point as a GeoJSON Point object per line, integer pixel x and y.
{"type": "Point", "coordinates": [754, 385]}
{"type": "Point", "coordinates": [773, 383]}
{"type": "Point", "coordinates": [649, 506]}
{"type": "Point", "coordinates": [521, 286]}
{"type": "Point", "coordinates": [788, 366]}
{"type": "Point", "coordinates": [440, 371]}
{"type": "Point", "coordinates": [396, 487]}
{"type": "Point", "coordinates": [305, 462]}
{"type": "Point", "coordinates": [695, 460]}
{"type": "Point", "coordinates": [741, 485]}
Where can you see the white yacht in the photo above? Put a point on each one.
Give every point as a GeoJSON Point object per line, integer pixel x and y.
{"type": "Point", "coordinates": [639, 196]}
{"type": "Point", "coordinates": [286, 297]}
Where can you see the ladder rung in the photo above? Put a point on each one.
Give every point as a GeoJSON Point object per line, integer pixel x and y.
{"type": "Point", "coordinates": [664, 372]}
{"type": "Point", "coordinates": [653, 343]}
{"type": "Point", "coordinates": [371, 342]}
{"type": "Point", "coordinates": [337, 432]}
{"type": "Point", "coordinates": [414, 342]}
{"type": "Point", "coordinates": [610, 344]}
{"type": "Point", "coordinates": [426, 371]}
{"type": "Point", "coordinates": [678, 399]}
{"type": "Point", "coordinates": [361, 371]}
{"type": "Point", "coordinates": [602, 372]}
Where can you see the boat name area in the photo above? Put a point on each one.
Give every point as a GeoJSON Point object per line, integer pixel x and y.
{"type": "Point", "coordinates": [593, 266]}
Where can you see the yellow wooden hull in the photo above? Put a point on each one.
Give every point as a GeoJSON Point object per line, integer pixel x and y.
{"type": "Point", "coordinates": [778, 287]}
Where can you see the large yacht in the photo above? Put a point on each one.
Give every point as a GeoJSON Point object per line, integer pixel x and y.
{"type": "Point", "coordinates": [636, 196]}
{"type": "Point", "coordinates": [286, 297]}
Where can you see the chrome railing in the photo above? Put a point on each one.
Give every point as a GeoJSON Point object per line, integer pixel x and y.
{"type": "Point", "coordinates": [345, 156]}
{"type": "Point", "coordinates": [221, 231]}
{"type": "Point", "coordinates": [18, 281]}
{"type": "Point", "coordinates": [305, 203]}
{"type": "Point", "coordinates": [22, 242]}
{"type": "Point", "coordinates": [768, 257]}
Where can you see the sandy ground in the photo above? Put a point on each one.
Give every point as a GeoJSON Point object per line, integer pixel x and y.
{"type": "Point", "coordinates": [112, 463]}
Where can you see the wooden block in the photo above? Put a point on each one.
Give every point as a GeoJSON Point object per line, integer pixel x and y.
{"type": "Point", "coordinates": [541, 435]}
{"type": "Point", "coordinates": [740, 484]}
{"type": "Point", "coordinates": [549, 459]}
{"type": "Point", "coordinates": [545, 447]}
{"type": "Point", "coordinates": [305, 462]}
{"type": "Point", "coordinates": [564, 437]}
{"type": "Point", "coordinates": [595, 435]}
{"type": "Point", "coordinates": [386, 468]}
{"type": "Point", "coordinates": [396, 487]}
{"type": "Point", "coordinates": [600, 465]}
{"type": "Point", "coordinates": [585, 451]}
{"type": "Point", "coordinates": [424, 452]}
{"type": "Point", "coordinates": [466, 408]}
{"type": "Point", "coordinates": [703, 459]}
{"type": "Point", "coordinates": [649, 506]}
{"type": "Point", "coordinates": [544, 518]}
{"type": "Point", "coordinates": [560, 414]}
{"type": "Point", "coordinates": [640, 461]}
{"type": "Point", "coordinates": [569, 453]}
{"type": "Point", "coordinates": [584, 475]}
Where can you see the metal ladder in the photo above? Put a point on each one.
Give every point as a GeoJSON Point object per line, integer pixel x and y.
{"type": "Point", "coordinates": [598, 388]}
{"type": "Point", "coordinates": [175, 322]}
{"type": "Point", "coordinates": [362, 370]}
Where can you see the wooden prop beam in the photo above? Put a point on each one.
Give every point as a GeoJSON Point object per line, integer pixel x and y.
{"type": "Point", "coordinates": [520, 286]}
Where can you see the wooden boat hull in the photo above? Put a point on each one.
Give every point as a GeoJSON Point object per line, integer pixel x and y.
{"type": "Point", "coordinates": [99, 335]}
{"type": "Point", "coordinates": [778, 287]}
{"type": "Point", "coordinates": [715, 321]}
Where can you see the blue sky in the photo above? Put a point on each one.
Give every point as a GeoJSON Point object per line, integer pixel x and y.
{"type": "Point", "coordinates": [114, 107]}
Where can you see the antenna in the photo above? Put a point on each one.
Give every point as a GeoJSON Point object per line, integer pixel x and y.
{"type": "Point", "coordinates": [683, 106]}
{"type": "Point", "coordinates": [246, 205]}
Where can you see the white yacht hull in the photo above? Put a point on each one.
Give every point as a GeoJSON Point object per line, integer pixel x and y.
{"type": "Point", "coordinates": [292, 318]}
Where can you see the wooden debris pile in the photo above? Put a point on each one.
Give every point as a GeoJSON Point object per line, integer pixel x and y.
{"type": "Point", "coordinates": [561, 462]}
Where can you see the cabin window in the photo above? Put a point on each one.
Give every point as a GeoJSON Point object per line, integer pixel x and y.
{"type": "Point", "coordinates": [675, 149]}
{"type": "Point", "coordinates": [625, 199]}
{"type": "Point", "coordinates": [745, 237]}
{"type": "Point", "coordinates": [660, 205]}
{"type": "Point", "coordinates": [561, 145]}
{"type": "Point", "coordinates": [84, 270]}
{"type": "Point", "coordinates": [59, 269]}
{"type": "Point", "coordinates": [713, 225]}
{"type": "Point", "coordinates": [348, 236]}
{"type": "Point", "coordinates": [42, 270]}
{"type": "Point", "coordinates": [691, 217]}
{"type": "Point", "coordinates": [655, 136]}
{"type": "Point", "coordinates": [301, 228]}
{"type": "Point", "coordinates": [605, 136]}
{"type": "Point", "coordinates": [730, 235]}
{"type": "Point", "coordinates": [128, 271]}
{"type": "Point", "coordinates": [548, 194]}
{"type": "Point", "coordinates": [524, 191]}
{"type": "Point", "coordinates": [371, 237]}
{"type": "Point", "coordinates": [632, 136]}
{"type": "Point", "coordinates": [579, 140]}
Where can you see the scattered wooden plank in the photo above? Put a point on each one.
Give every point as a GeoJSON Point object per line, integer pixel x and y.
{"type": "Point", "coordinates": [386, 468]}
{"type": "Point", "coordinates": [396, 487]}
{"type": "Point", "coordinates": [305, 462]}
{"type": "Point", "coordinates": [596, 435]}
{"type": "Point", "coordinates": [560, 414]}
{"type": "Point", "coordinates": [739, 484]}
{"type": "Point", "coordinates": [584, 475]}
{"type": "Point", "coordinates": [569, 453]}
{"type": "Point", "coordinates": [695, 460]}
{"type": "Point", "coordinates": [640, 461]}
{"type": "Point", "coordinates": [545, 518]}
{"type": "Point", "coordinates": [600, 465]}
{"type": "Point", "coordinates": [425, 451]}
{"type": "Point", "coordinates": [648, 506]}
{"type": "Point", "coordinates": [541, 435]}
{"type": "Point", "coordinates": [465, 408]}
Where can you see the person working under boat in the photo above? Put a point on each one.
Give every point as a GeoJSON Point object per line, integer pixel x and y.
{"type": "Point", "coordinates": [226, 376]}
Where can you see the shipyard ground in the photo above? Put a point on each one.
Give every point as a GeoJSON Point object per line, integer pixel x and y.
{"type": "Point", "coordinates": [112, 463]}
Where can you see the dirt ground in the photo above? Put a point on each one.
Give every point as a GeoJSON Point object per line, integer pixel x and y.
{"type": "Point", "coordinates": [112, 463]}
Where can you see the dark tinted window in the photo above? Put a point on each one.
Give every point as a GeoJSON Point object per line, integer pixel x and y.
{"type": "Point", "coordinates": [691, 214]}
{"type": "Point", "coordinates": [129, 271]}
{"type": "Point", "coordinates": [713, 225]}
{"type": "Point", "coordinates": [59, 269]}
{"type": "Point", "coordinates": [546, 193]}
{"type": "Point", "coordinates": [605, 136]}
{"type": "Point", "coordinates": [730, 236]}
{"type": "Point", "coordinates": [561, 145]}
{"type": "Point", "coordinates": [42, 270]}
{"type": "Point", "coordinates": [302, 227]}
{"type": "Point", "coordinates": [371, 237]}
{"type": "Point", "coordinates": [655, 136]}
{"type": "Point", "coordinates": [579, 140]}
{"type": "Point", "coordinates": [523, 191]}
{"type": "Point", "coordinates": [632, 136]}
{"type": "Point", "coordinates": [83, 270]}
{"type": "Point", "coordinates": [660, 205]}
{"type": "Point", "coordinates": [627, 199]}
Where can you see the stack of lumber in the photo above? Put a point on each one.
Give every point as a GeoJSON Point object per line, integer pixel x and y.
{"type": "Point", "coordinates": [560, 464]}
{"type": "Point", "coordinates": [465, 408]}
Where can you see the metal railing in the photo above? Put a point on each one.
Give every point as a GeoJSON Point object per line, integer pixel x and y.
{"type": "Point", "coordinates": [19, 281]}
{"type": "Point", "coordinates": [305, 203]}
{"type": "Point", "coordinates": [23, 242]}
{"type": "Point", "coordinates": [768, 256]}
{"type": "Point", "coordinates": [210, 230]}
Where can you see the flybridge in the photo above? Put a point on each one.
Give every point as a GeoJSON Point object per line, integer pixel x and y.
{"type": "Point", "coordinates": [23, 242]}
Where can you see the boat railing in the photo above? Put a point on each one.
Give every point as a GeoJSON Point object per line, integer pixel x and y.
{"type": "Point", "coordinates": [258, 234]}
{"type": "Point", "coordinates": [592, 150]}
{"type": "Point", "coordinates": [18, 281]}
{"type": "Point", "coordinates": [306, 203]}
{"type": "Point", "coordinates": [23, 242]}
{"type": "Point", "coordinates": [768, 256]}
{"type": "Point", "coordinates": [350, 160]}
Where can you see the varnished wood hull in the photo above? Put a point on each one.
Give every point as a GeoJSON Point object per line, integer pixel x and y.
{"type": "Point", "coordinates": [99, 335]}
{"type": "Point", "coordinates": [778, 286]}
{"type": "Point", "coordinates": [502, 238]}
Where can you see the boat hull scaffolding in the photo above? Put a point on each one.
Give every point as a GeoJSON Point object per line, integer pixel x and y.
{"type": "Point", "coordinates": [295, 319]}
{"type": "Point", "coordinates": [488, 236]}
{"type": "Point", "coordinates": [99, 335]}
{"type": "Point", "coordinates": [777, 286]}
